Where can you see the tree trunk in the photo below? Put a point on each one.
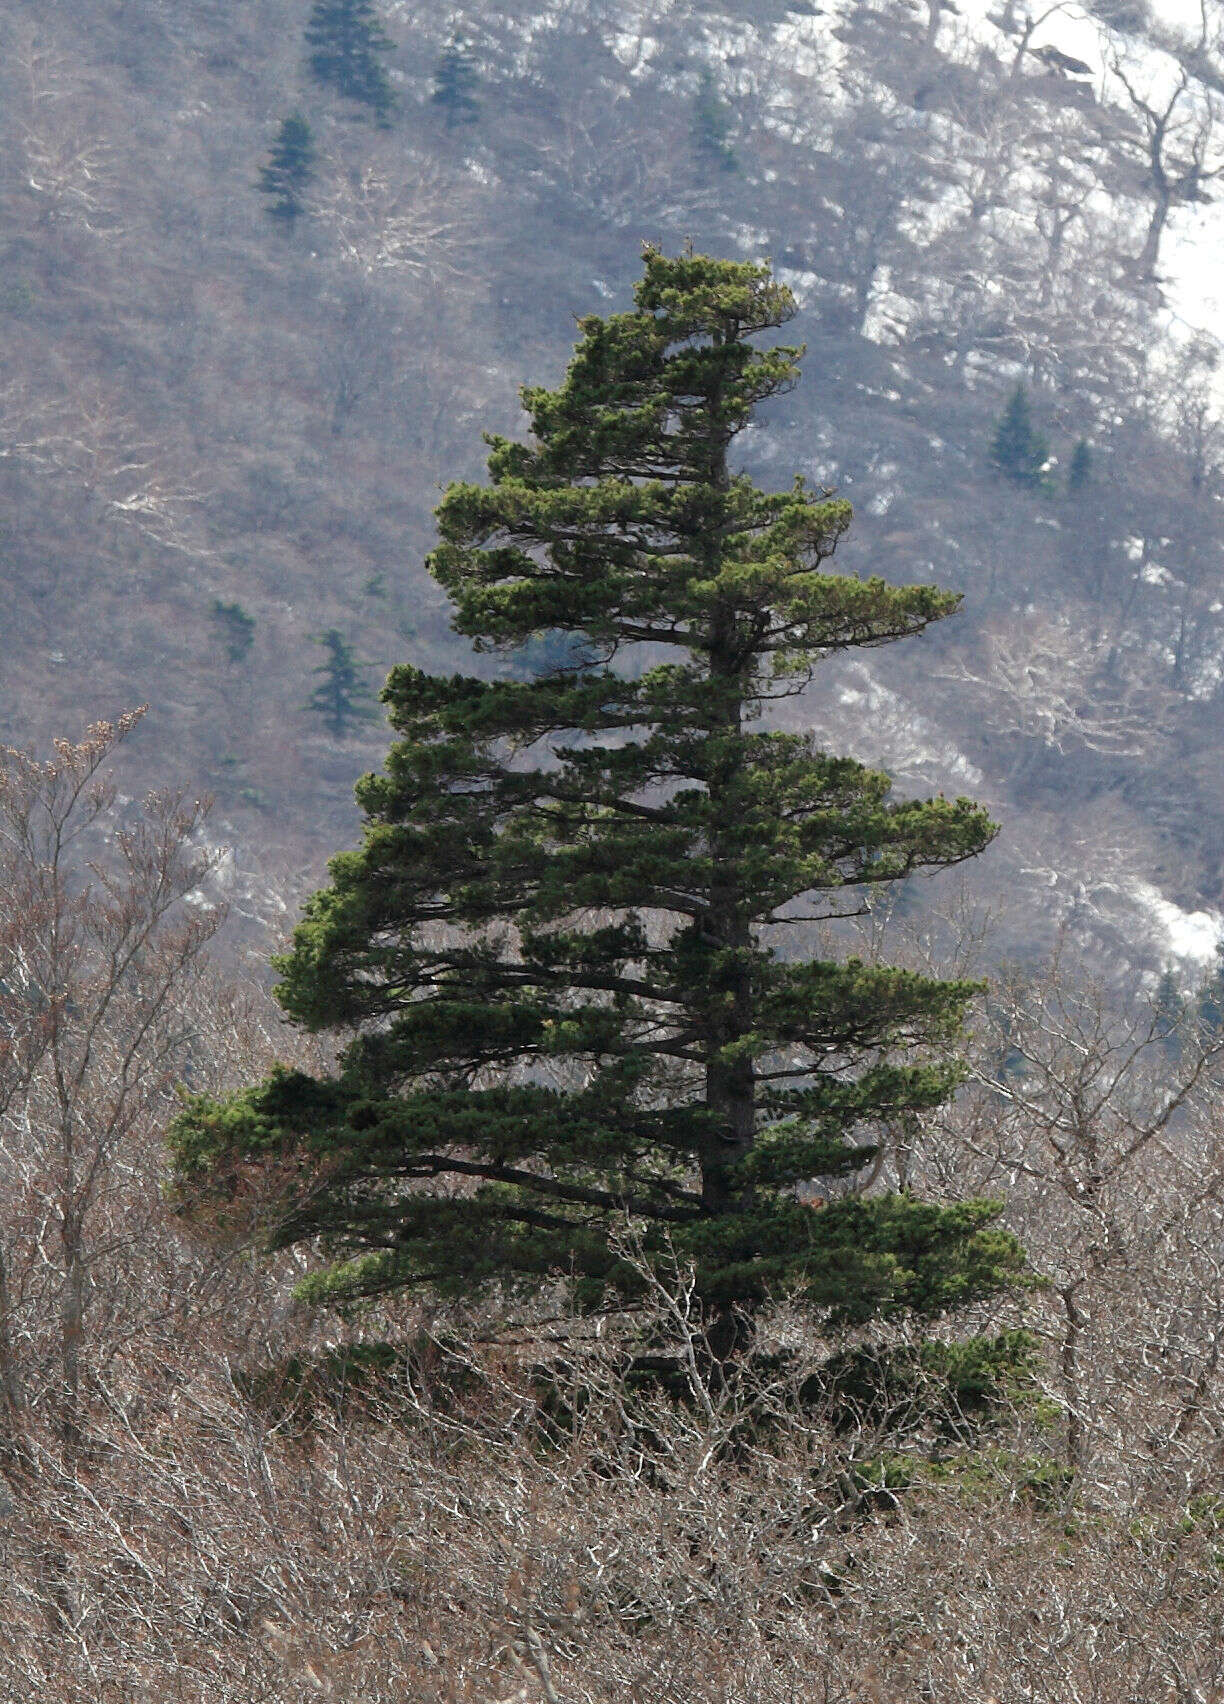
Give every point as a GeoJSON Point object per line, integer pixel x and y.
{"type": "Point", "coordinates": [72, 1331]}
{"type": "Point", "coordinates": [11, 1399]}
{"type": "Point", "coordinates": [1076, 1320]}
{"type": "Point", "coordinates": [1181, 644]}
{"type": "Point", "coordinates": [730, 1086]}
{"type": "Point", "coordinates": [1150, 255]}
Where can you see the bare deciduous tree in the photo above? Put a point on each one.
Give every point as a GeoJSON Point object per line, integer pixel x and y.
{"type": "Point", "coordinates": [99, 937]}
{"type": "Point", "coordinates": [388, 216]}
{"type": "Point", "coordinates": [1098, 1124]}
{"type": "Point", "coordinates": [1049, 683]}
{"type": "Point", "coordinates": [68, 167]}
{"type": "Point", "coordinates": [1178, 141]}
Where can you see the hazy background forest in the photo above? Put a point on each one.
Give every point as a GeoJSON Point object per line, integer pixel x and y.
{"type": "Point", "coordinates": [223, 435]}
{"type": "Point", "coordinates": [222, 438]}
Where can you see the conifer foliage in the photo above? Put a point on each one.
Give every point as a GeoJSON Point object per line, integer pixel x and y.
{"type": "Point", "coordinates": [712, 126]}
{"type": "Point", "coordinates": [341, 698]}
{"type": "Point", "coordinates": [347, 47]}
{"type": "Point", "coordinates": [1018, 449]}
{"type": "Point", "coordinates": [559, 956]}
{"type": "Point", "coordinates": [455, 84]}
{"type": "Point", "coordinates": [237, 628]}
{"type": "Point", "coordinates": [1079, 469]}
{"type": "Point", "coordinates": [289, 169]}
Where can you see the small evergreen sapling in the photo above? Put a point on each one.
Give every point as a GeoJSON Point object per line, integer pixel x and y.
{"type": "Point", "coordinates": [1079, 471]}
{"type": "Point", "coordinates": [558, 955]}
{"type": "Point", "coordinates": [1170, 1009]}
{"type": "Point", "coordinates": [342, 697]}
{"type": "Point", "coordinates": [712, 125]}
{"type": "Point", "coordinates": [1017, 448]}
{"type": "Point", "coordinates": [237, 628]}
{"type": "Point", "coordinates": [455, 84]}
{"type": "Point", "coordinates": [289, 169]}
{"type": "Point", "coordinates": [1209, 1001]}
{"type": "Point", "coordinates": [347, 47]}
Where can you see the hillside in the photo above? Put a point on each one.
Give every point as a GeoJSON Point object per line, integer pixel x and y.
{"type": "Point", "coordinates": [625, 1281]}
{"type": "Point", "coordinates": [221, 438]}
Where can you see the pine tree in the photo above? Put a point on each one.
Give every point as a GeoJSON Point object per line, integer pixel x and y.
{"type": "Point", "coordinates": [289, 168]}
{"type": "Point", "coordinates": [1079, 472]}
{"type": "Point", "coordinates": [341, 698]}
{"type": "Point", "coordinates": [455, 84]}
{"type": "Point", "coordinates": [712, 125]}
{"type": "Point", "coordinates": [1017, 448]}
{"type": "Point", "coordinates": [237, 628]}
{"type": "Point", "coordinates": [347, 45]}
{"type": "Point", "coordinates": [558, 954]}
{"type": "Point", "coordinates": [1170, 1009]}
{"type": "Point", "coordinates": [1209, 1001]}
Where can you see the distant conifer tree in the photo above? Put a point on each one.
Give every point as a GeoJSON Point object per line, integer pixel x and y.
{"type": "Point", "coordinates": [342, 697]}
{"type": "Point", "coordinates": [347, 46]}
{"type": "Point", "coordinates": [237, 628]}
{"type": "Point", "coordinates": [1018, 449]}
{"type": "Point", "coordinates": [455, 84]}
{"type": "Point", "coordinates": [1079, 473]}
{"type": "Point", "coordinates": [1169, 1012]}
{"type": "Point", "coordinates": [1209, 1001]}
{"type": "Point", "coordinates": [289, 168]}
{"type": "Point", "coordinates": [712, 125]}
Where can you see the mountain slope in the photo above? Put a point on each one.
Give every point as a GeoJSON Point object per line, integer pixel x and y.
{"type": "Point", "coordinates": [202, 412]}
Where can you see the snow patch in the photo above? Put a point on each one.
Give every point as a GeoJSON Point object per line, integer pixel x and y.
{"type": "Point", "coordinates": [908, 744]}
{"type": "Point", "coordinates": [800, 284]}
{"type": "Point", "coordinates": [1192, 937]}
